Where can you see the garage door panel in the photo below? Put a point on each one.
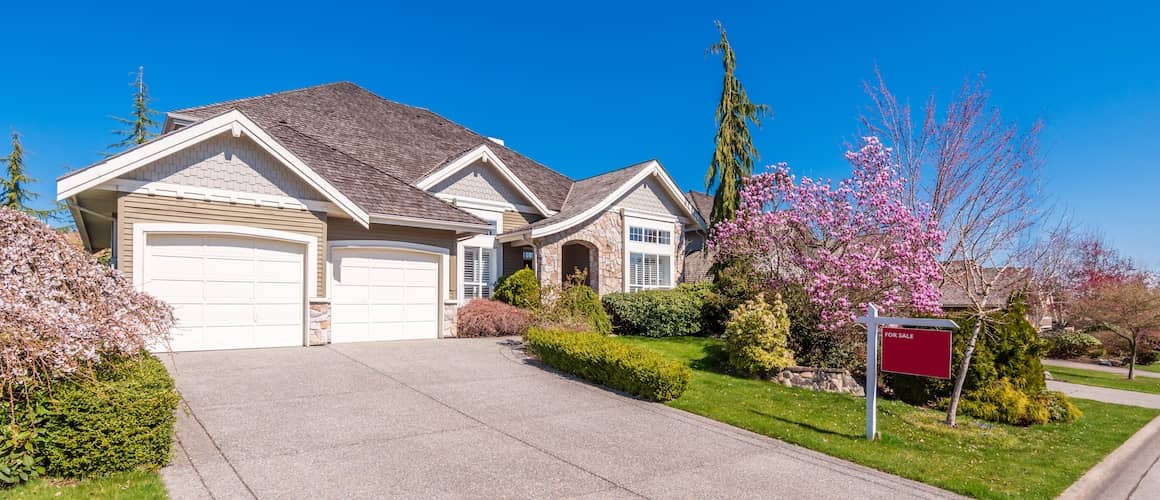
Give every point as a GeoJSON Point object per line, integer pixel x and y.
{"type": "Point", "coordinates": [228, 292]}
{"type": "Point", "coordinates": [382, 294]}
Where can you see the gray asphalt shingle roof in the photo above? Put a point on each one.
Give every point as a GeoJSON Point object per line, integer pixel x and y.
{"type": "Point", "coordinates": [404, 141]}
{"type": "Point", "coordinates": [587, 193]}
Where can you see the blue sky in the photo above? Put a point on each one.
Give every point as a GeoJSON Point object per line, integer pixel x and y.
{"type": "Point", "coordinates": [595, 86]}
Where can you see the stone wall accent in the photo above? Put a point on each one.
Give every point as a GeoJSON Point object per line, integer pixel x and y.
{"type": "Point", "coordinates": [605, 234]}
{"type": "Point", "coordinates": [819, 379]}
{"type": "Point", "coordinates": [450, 319]}
{"type": "Point", "coordinates": [319, 328]}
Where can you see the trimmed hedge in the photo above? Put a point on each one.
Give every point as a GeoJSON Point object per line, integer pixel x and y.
{"type": "Point", "coordinates": [118, 418]}
{"type": "Point", "coordinates": [612, 363]}
{"type": "Point", "coordinates": [658, 313]}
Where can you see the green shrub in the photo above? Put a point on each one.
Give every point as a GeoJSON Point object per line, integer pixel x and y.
{"type": "Point", "coordinates": [520, 289]}
{"type": "Point", "coordinates": [733, 284]}
{"type": "Point", "coordinates": [1009, 347]}
{"type": "Point", "coordinates": [1003, 402]}
{"type": "Point", "coordinates": [813, 346]}
{"type": "Point", "coordinates": [756, 335]}
{"type": "Point", "coordinates": [1059, 407]}
{"type": "Point", "coordinates": [21, 444]}
{"type": "Point", "coordinates": [119, 420]}
{"type": "Point", "coordinates": [1071, 344]}
{"type": "Point", "coordinates": [657, 313]}
{"type": "Point", "coordinates": [1147, 356]}
{"type": "Point", "coordinates": [577, 307]}
{"type": "Point", "coordinates": [610, 362]}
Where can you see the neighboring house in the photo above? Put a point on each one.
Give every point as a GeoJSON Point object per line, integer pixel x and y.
{"type": "Point", "coordinates": [329, 214]}
{"type": "Point", "coordinates": [697, 259]}
{"type": "Point", "coordinates": [1011, 280]}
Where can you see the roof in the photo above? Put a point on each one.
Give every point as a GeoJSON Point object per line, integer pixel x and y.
{"type": "Point", "coordinates": [587, 193]}
{"type": "Point", "coordinates": [374, 191]}
{"type": "Point", "coordinates": [403, 141]}
{"type": "Point", "coordinates": [703, 203]}
{"type": "Point", "coordinates": [1013, 280]}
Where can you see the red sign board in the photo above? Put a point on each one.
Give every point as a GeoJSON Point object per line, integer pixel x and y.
{"type": "Point", "coordinates": [926, 353]}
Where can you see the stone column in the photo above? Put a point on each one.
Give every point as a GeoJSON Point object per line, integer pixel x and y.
{"type": "Point", "coordinates": [450, 319]}
{"type": "Point", "coordinates": [319, 327]}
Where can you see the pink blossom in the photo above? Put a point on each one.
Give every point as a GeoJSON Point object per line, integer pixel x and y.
{"type": "Point", "coordinates": [61, 310]}
{"type": "Point", "coordinates": [845, 245]}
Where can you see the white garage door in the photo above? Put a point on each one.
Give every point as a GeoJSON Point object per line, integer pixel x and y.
{"type": "Point", "coordinates": [384, 295]}
{"type": "Point", "coordinates": [228, 292]}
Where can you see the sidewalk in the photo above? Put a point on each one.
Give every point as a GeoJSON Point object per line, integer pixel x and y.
{"type": "Point", "coordinates": [1098, 368]}
{"type": "Point", "coordinates": [1130, 472]}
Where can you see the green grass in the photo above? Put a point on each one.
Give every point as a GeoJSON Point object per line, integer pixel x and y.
{"type": "Point", "coordinates": [125, 486]}
{"type": "Point", "coordinates": [978, 458]}
{"type": "Point", "coordinates": [1155, 367]}
{"type": "Point", "coordinates": [1104, 379]}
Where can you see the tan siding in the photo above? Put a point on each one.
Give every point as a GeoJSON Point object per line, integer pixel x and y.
{"type": "Point", "coordinates": [513, 219]}
{"type": "Point", "coordinates": [134, 208]}
{"type": "Point", "coordinates": [346, 229]}
{"type": "Point", "coordinates": [649, 196]}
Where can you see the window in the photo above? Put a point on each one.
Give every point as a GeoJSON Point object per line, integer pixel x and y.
{"type": "Point", "coordinates": [646, 270]}
{"type": "Point", "coordinates": [476, 272]}
{"type": "Point", "coordinates": [529, 258]}
{"type": "Point", "coordinates": [649, 235]}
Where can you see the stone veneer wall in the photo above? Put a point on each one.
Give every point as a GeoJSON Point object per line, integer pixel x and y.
{"type": "Point", "coordinates": [319, 327]}
{"type": "Point", "coordinates": [818, 379]}
{"type": "Point", "coordinates": [450, 319]}
{"type": "Point", "coordinates": [604, 233]}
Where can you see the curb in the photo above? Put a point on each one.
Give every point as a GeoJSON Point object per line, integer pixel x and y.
{"type": "Point", "coordinates": [1132, 459]}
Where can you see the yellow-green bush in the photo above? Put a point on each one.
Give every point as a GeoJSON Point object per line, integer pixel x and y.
{"type": "Point", "coordinates": [520, 289]}
{"type": "Point", "coordinates": [756, 337]}
{"type": "Point", "coordinates": [609, 362]}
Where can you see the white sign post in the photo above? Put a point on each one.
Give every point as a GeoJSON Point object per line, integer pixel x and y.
{"type": "Point", "coordinates": [872, 321]}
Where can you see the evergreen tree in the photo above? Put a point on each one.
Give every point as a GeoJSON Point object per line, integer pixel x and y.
{"type": "Point", "coordinates": [138, 128]}
{"type": "Point", "coordinates": [734, 154]}
{"type": "Point", "coordinates": [14, 188]}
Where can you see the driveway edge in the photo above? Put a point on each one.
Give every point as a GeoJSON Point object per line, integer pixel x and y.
{"type": "Point", "coordinates": [1118, 474]}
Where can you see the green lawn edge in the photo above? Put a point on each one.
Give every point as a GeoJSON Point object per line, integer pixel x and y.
{"type": "Point", "coordinates": [978, 459]}
{"type": "Point", "coordinates": [1108, 380]}
{"type": "Point", "coordinates": [138, 485]}
{"type": "Point", "coordinates": [1154, 368]}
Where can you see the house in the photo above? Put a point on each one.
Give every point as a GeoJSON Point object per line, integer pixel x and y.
{"type": "Point", "coordinates": [1002, 284]}
{"type": "Point", "coordinates": [329, 214]}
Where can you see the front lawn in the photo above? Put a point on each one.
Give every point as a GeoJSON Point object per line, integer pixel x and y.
{"type": "Point", "coordinates": [1105, 379]}
{"type": "Point", "coordinates": [1155, 367]}
{"type": "Point", "coordinates": [978, 459]}
{"type": "Point", "coordinates": [124, 486]}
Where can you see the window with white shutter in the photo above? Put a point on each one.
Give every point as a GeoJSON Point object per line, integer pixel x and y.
{"type": "Point", "coordinates": [649, 271]}
{"type": "Point", "coordinates": [477, 271]}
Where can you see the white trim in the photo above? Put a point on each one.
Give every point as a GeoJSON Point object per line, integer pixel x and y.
{"type": "Point", "coordinates": [213, 194]}
{"type": "Point", "coordinates": [469, 202]}
{"type": "Point", "coordinates": [141, 232]}
{"type": "Point", "coordinates": [443, 254]}
{"type": "Point", "coordinates": [234, 121]}
{"type": "Point", "coordinates": [640, 214]}
{"type": "Point", "coordinates": [652, 169]}
{"type": "Point", "coordinates": [485, 153]}
{"type": "Point", "coordinates": [74, 210]}
{"type": "Point", "coordinates": [482, 241]}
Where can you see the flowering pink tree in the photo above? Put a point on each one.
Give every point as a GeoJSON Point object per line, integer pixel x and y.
{"type": "Point", "coordinates": [61, 310]}
{"type": "Point", "coordinates": [844, 245]}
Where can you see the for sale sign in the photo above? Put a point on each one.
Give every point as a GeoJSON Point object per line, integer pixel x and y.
{"type": "Point", "coordinates": [926, 353]}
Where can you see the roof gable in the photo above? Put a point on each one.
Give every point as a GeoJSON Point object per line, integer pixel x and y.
{"type": "Point", "coordinates": [234, 122]}
{"type": "Point", "coordinates": [491, 170]}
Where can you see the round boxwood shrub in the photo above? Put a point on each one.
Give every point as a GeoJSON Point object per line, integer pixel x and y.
{"type": "Point", "coordinates": [520, 289]}
{"type": "Point", "coordinates": [756, 336]}
{"type": "Point", "coordinates": [657, 313]}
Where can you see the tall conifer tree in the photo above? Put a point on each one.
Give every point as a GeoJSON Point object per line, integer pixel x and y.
{"type": "Point", "coordinates": [139, 127]}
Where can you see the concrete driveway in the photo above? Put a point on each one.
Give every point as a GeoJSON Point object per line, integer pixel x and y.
{"type": "Point", "coordinates": [465, 418]}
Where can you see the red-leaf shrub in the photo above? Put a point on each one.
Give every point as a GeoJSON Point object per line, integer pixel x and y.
{"type": "Point", "coordinates": [61, 310]}
{"type": "Point", "coordinates": [491, 318]}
